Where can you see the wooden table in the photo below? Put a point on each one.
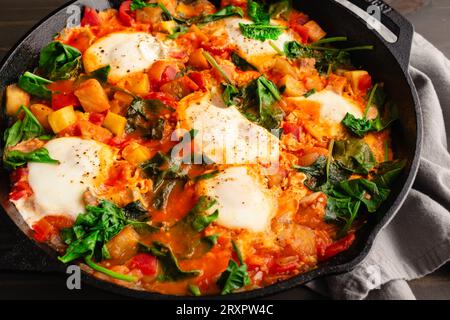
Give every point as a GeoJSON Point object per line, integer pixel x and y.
{"type": "Point", "coordinates": [18, 16]}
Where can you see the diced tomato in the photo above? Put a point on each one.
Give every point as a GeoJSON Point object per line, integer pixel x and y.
{"type": "Point", "coordinates": [64, 99]}
{"type": "Point", "coordinates": [19, 174]}
{"type": "Point", "coordinates": [20, 190]}
{"type": "Point", "coordinates": [49, 226]}
{"type": "Point", "coordinates": [296, 22]}
{"type": "Point", "coordinates": [169, 74]}
{"type": "Point", "coordinates": [146, 263]}
{"type": "Point", "coordinates": [337, 247]}
{"type": "Point", "coordinates": [97, 118]}
{"type": "Point", "coordinates": [197, 77]}
{"type": "Point", "coordinates": [284, 265]}
{"type": "Point", "coordinates": [290, 128]}
{"type": "Point", "coordinates": [90, 17]}
{"type": "Point", "coordinates": [126, 16]}
{"type": "Point", "coordinates": [365, 82]}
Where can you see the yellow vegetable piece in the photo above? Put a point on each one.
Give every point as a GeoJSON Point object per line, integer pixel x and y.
{"type": "Point", "coordinates": [62, 118]}
{"type": "Point", "coordinates": [15, 98]}
{"type": "Point", "coordinates": [168, 26]}
{"type": "Point", "coordinates": [41, 112]}
{"type": "Point", "coordinates": [354, 77]}
{"type": "Point", "coordinates": [136, 154]}
{"type": "Point", "coordinates": [315, 31]}
{"type": "Point", "coordinates": [115, 123]}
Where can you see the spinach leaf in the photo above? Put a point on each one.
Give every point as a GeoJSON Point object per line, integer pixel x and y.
{"type": "Point", "coordinates": [35, 85]}
{"type": "Point", "coordinates": [295, 50]}
{"type": "Point", "coordinates": [136, 211]}
{"type": "Point", "coordinates": [235, 276]}
{"type": "Point", "coordinates": [23, 130]}
{"type": "Point", "coordinates": [146, 117]}
{"type": "Point", "coordinates": [15, 159]}
{"type": "Point", "coordinates": [101, 74]}
{"type": "Point", "coordinates": [310, 93]}
{"type": "Point", "coordinates": [198, 218]}
{"type": "Point", "coordinates": [280, 9]}
{"type": "Point", "coordinates": [140, 4]}
{"type": "Point", "coordinates": [194, 290]}
{"type": "Point", "coordinates": [170, 266]}
{"type": "Point", "coordinates": [261, 32]}
{"type": "Point", "coordinates": [109, 272]}
{"type": "Point", "coordinates": [230, 95]}
{"type": "Point", "coordinates": [206, 176]}
{"type": "Point", "coordinates": [258, 13]}
{"type": "Point", "coordinates": [211, 241]}
{"type": "Point", "coordinates": [92, 230]}
{"type": "Point", "coordinates": [388, 172]}
{"type": "Point", "coordinates": [354, 155]}
{"type": "Point", "coordinates": [60, 61]}
{"type": "Point", "coordinates": [226, 12]}
{"type": "Point", "coordinates": [387, 114]}
{"type": "Point", "coordinates": [260, 99]}
{"type": "Point", "coordinates": [241, 63]}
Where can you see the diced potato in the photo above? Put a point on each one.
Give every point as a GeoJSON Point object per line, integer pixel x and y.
{"type": "Point", "coordinates": [136, 154]}
{"type": "Point", "coordinates": [198, 33]}
{"type": "Point", "coordinates": [124, 245]}
{"type": "Point", "coordinates": [149, 15]}
{"type": "Point", "coordinates": [337, 83]}
{"type": "Point", "coordinates": [354, 77]}
{"type": "Point", "coordinates": [292, 87]}
{"type": "Point", "coordinates": [92, 96]}
{"type": "Point", "coordinates": [121, 102]}
{"type": "Point", "coordinates": [62, 119]}
{"type": "Point", "coordinates": [198, 60]}
{"type": "Point", "coordinates": [314, 82]}
{"type": "Point", "coordinates": [92, 131]}
{"type": "Point", "coordinates": [41, 112]}
{"type": "Point", "coordinates": [137, 83]}
{"type": "Point", "coordinates": [180, 87]}
{"type": "Point", "coordinates": [15, 98]}
{"type": "Point", "coordinates": [315, 31]}
{"type": "Point", "coordinates": [283, 67]}
{"type": "Point", "coordinates": [185, 10]}
{"type": "Point", "coordinates": [167, 26]}
{"type": "Point", "coordinates": [115, 123]}
{"type": "Point", "coordinates": [157, 70]}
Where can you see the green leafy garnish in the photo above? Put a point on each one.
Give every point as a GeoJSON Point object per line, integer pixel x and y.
{"type": "Point", "coordinates": [211, 241]}
{"type": "Point", "coordinates": [101, 74]}
{"type": "Point", "coordinates": [225, 12]}
{"type": "Point", "coordinates": [310, 93]}
{"type": "Point", "coordinates": [280, 9]}
{"type": "Point", "coordinates": [387, 114]}
{"type": "Point", "coordinates": [259, 104]}
{"type": "Point", "coordinates": [258, 13]}
{"type": "Point", "coordinates": [35, 85]}
{"type": "Point", "coordinates": [388, 172]}
{"type": "Point", "coordinates": [229, 95]}
{"type": "Point", "coordinates": [199, 218]}
{"type": "Point", "coordinates": [60, 61]}
{"type": "Point", "coordinates": [15, 159]}
{"type": "Point", "coordinates": [141, 4]}
{"type": "Point", "coordinates": [354, 155]}
{"type": "Point", "coordinates": [145, 117]}
{"type": "Point", "coordinates": [261, 32]}
{"type": "Point", "coordinates": [108, 272]}
{"type": "Point", "coordinates": [207, 176]}
{"type": "Point", "coordinates": [235, 276]}
{"type": "Point", "coordinates": [169, 263]}
{"type": "Point", "coordinates": [194, 290]}
{"type": "Point", "coordinates": [241, 63]}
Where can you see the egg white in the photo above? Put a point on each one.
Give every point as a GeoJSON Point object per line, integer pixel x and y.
{"type": "Point", "coordinates": [224, 134]}
{"type": "Point", "coordinates": [125, 52]}
{"type": "Point", "coordinates": [243, 199]}
{"type": "Point", "coordinates": [58, 188]}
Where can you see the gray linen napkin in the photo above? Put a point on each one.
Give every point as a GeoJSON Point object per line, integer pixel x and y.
{"type": "Point", "coordinates": [417, 241]}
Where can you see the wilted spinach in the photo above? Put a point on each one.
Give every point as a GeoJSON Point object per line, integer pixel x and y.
{"type": "Point", "coordinates": [60, 61]}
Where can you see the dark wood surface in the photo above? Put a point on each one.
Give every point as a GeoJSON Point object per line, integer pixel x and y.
{"type": "Point", "coordinates": [431, 18]}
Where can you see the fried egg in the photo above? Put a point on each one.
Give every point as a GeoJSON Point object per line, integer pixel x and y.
{"type": "Point", "coordinates": [256, 52]}
{"type": "Point", "coordinates": [226, 136]}
{"type": "Point", "coordinates": [59, 189]}
{"type": "Point", "coordinates": [125, 52]}
{"type": "Point", "coordinates": [243, 199]}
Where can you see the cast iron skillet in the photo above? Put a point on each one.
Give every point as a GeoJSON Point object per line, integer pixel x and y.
{"type": "Point", "coordinates": [388, 63]}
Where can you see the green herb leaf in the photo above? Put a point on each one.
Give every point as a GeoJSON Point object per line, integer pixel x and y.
{"type": "Point", "coordinates": [225, 12]}
{"type": "Point", "coordinates": [92, 230]}
{"type": "Point", "coordinates": [388, 172]}
{"type": "Point", "coordinates": [354, 155]}
{"type": "Point", "coordinates": [194, 290]}
{"type": "Point", "coordinates": [15, 159]}
{"type": "Point", "coordinates": [241, 63]}
{"type": "Point", "coordinates": [140, 4]}
{"type": "Point", "coordinates": [260, 103]}
{"type": "Point", "coordinates": [280, 9]}
{"type": "Point", "coordinates": [261, 32]}
{"type": "Point", "coordinates": [198, 218]}
{"type": "Point", "coordinates": [206, 176]}
{"type": "Point", "coordinates": [60, 61]}
{"type": "Point", "coordinates": [136, 211]}
{"type": "Point", "coordinates": [235, 276]}
{"type": "Point", "coordinates": [257, 12]}
{"type": "Point", "coordinates": [211, 241]}
{"type": "Point", "coordinates": [229, 95]}
{"type": "Point", "coordinates": [108, 272]}
{"type": "Point", "coordinates": [35, 85]}
{"type": "Point", "coordinates": [170, 266]}
{"type": "Point", "coordinates": [310, 93]}
{"type": "Point", "coordinates": [101, 74]}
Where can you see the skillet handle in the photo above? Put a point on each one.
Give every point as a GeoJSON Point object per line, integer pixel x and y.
{"type": "Point", "coordinates": [394, 30]}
